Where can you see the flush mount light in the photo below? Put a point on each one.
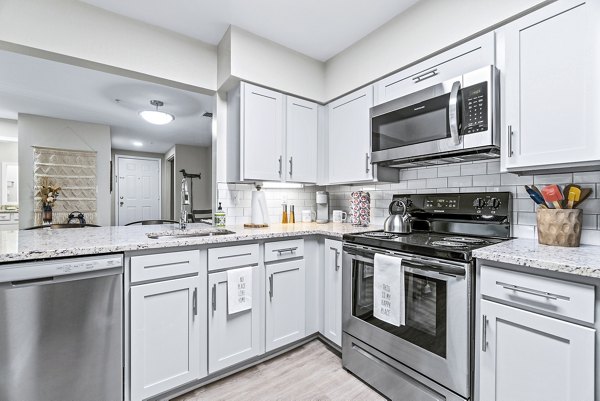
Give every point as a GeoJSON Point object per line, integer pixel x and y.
{"type": "Point", "coordinates": [156, 117]}
{"type": "Point", "coordinates": [137, 143]}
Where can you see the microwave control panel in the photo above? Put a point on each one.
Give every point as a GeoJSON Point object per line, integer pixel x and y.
{"type": "Point", "coordinates": [475, 108]}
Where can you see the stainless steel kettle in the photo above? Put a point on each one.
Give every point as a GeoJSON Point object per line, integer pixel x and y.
{"type": "Point", "coordinates": [398, 222]}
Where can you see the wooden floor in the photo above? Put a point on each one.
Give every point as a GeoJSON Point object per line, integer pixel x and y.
{"type": "Point", "coordinates": [310, 372]}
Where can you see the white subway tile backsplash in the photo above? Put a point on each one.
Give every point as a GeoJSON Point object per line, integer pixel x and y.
{"type": "Point", "coordinates": [460, 181]}
{"type": "Point", "coordinates": [427, 173]}
{"type": "Point", "coordinates": [553, 179]}
{"type": "Point", "coordinates": [437, 182]}
{"type": "Point", "coordinates": [513, 179]}
{"type": "Point", "coordinates": [449, 170]}
{"type": "Point", "coordinates": [582, 178]}
{"type": "Point", "coordinates": [486, 180]}
{"type": "Point", "coordinates": [473, 169]}
{"type": "Point", "coordinates": [416, 184]}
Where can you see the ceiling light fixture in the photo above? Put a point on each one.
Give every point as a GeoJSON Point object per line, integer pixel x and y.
{"type": "Point", "coordinates": [137, 143]}
{"type": "Point", "coordinates": [157, 117]}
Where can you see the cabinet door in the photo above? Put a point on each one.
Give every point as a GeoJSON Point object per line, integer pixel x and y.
{"type": "Point", "coordinates": [232, 338]}
{"type": "Point", "coordinates": [165, 336]}
{"type": "Point", "coordinates": [332, 305]}
{"type": "Point", "coordinates": [301, 140]}
{"type": "Point", "coordinates": [533, 357]}
{"type": "Point", "coordinates": [262, 133]}
{"type": "Point", "coordinates": [350, 138]}
{"type": "Point", "coordinates": [285, 311]}
{"type": "Point", "coordinates": [549, 62]}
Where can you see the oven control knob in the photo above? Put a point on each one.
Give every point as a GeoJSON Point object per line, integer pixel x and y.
{"type": "Point", "coordinates": [478, 203]}
{"type": "Point", "coordinates": [494, 203]}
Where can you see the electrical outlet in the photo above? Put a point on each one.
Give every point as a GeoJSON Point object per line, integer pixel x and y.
{"type": "Point", "coordinates": [235, 198]}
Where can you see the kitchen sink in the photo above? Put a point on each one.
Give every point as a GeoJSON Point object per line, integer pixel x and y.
{"type": "Point", "coordinates": [206, 232]}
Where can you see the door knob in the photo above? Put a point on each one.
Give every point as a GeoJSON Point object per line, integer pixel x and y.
{"type": "Point", "coordinates": [121, 203]}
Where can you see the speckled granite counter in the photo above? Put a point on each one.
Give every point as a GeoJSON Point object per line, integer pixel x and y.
{"type": "Point", "coordinates": [18, 246]}
{"type": "Point", "coordinates": [583, 261]}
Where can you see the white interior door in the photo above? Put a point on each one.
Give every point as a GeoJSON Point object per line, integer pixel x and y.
{"type": "Point", "coordinates": [138, 189]}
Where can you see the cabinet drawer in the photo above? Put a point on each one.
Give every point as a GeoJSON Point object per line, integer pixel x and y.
{"type": "Point", "coordinates": [565, 298]}
{"type": "Point", "coordinates": [4, 216]}
{"type": "Point", "coordinates": [164, 265]}
{"type": "Point", "coordinates": [15, 216]}
{"type": "Point", "coordinates": [232, 256]}
{"type": "Point", "coordinates": [282, 250]}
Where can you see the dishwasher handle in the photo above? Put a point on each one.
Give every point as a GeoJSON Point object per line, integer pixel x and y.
{"type": "Point", "coordinates": [20, 282]}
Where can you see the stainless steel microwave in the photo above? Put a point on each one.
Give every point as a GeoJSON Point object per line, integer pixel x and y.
{"type": "Point", "coordinates": [452, 121]}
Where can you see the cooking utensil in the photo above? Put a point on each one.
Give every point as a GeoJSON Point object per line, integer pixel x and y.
{"type": "Point", "coordinates": [398, 222]}
{"type": "Point", "coordinates": [553, 195]}
{"type": "Point", "coordinates": [536, 196]}
{"type": "Point", "coordinates": [585, 193]}
{"type": "Point", "coordinates": [573, 196]}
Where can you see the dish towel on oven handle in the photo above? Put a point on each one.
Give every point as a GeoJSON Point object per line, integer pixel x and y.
{"type": "Point", "coordinates": [239, 290]}
{"type": "Point", "coordinates": [388, 290]}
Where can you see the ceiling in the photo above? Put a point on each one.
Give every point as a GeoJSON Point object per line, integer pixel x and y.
{"type": "Point", "coordinates": [48, 88]}
{"type": "Point", "coordinates": [317, 28]}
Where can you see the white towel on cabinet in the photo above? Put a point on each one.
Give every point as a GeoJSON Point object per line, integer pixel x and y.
{"type": "Point", "coordinates": [239, 290]}
{"type": "Point", "coordinates": [388, 290]}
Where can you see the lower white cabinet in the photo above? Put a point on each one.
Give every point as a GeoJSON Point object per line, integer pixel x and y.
{"type": "Point", "coordinates": [332, 297]}
{"type": "Point", "coordinates": [165, 336]}
{"type": "Point", "coordinates": [285, 303]}
{"type": "Point", "coordinates": [232, 338]}
{"type": "Point", "coordinates": [528, 356]}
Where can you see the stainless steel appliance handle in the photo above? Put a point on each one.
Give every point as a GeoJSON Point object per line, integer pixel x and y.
{"type": "Point", "coordinates": [510, 147]}
{"type": "Point", "coordinates": [291, 165]}
{"type": "Point", "coordinates": [271, 286]}
{"type": "Point", "coordinates": [484, 321]}
{"type": "Point", "coordinates": [281, 251]}
{"type": "Point", "coordinates": [426, 75]}
{"type": "Point", "coordinates": [280, 165]}
{"type": "Point", "coordinates": [368, 165]}
{"type": "Point", "coordinates": [531, 291]}
{"type": "Point", "coordinates": [439, 268]}
{"type": "Point", "coordinates": [337, 254]}
{"type": "Point", "coordinates": [195, 302]}
{"type": "Point", "coordinates": [453, 113]}
{"type": "Point", "coordinates": [214, 297]}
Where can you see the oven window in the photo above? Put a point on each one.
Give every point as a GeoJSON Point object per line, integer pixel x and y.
{"type": "Point", "coordinates": [425, 301]}
{"type": "Point", "coordinates": [422, 122]}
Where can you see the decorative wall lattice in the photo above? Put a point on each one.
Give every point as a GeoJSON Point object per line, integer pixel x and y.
{"type": "Point", "coordinates": [75, 172]}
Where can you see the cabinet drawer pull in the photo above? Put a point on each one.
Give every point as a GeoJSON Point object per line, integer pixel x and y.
{"type": "Point", "coordinates": [291, 165]}
{"type": "Point", "coordinates": [195, 302]}
{"type": "Point", "coordinates": [280, 166]}
{"type": "Point", "coordinates": [282, 251]}
{"type": "Point", "coordinates": [271, 286]}
{"type": "Point", "coordinates": [426, 75]}
{"type": "Point", "coordinates": [214, 297]}
{"type": "Point", "coordinates": [239, 255]}
{"type": "Point", "coordinates": [484, 321]}
{"type": "Point", "coordinates": [531, 291]}
{"type": "Point", "coordinates": [182, 262]}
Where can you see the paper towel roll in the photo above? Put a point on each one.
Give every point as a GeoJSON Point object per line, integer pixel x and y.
{"type": "Point", "coordinates": [260, 213]}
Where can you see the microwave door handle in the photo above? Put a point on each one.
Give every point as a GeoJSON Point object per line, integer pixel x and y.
{"type": "Point", "coordinates": [453, 113]}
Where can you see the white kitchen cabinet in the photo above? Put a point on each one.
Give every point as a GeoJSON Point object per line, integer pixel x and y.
{"type": "Point", "coordinates": [463, 58]}
{"type": "Point", "coordinates": [285, 303]}
{"type": "Point", "coordinates": [232, 338]}
{"type": "Point", "coordinates": [262, 131]}
{"type": "Point", "coordinates": [528, 356]}
{"type": "Point", "coordinates": [274, 134]}
{"type": "Point", "coordinates": [165, 336]}
{"type": "Point", "coordinates": [301, 140]}
{"type": "Point", "coordinates": [332, 297]}
{"type": "Point", "coordinates": [549, 62]}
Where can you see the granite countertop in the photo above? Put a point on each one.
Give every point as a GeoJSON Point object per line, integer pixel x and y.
{"type": "Point", "coordinates": [16, 246]}
{"type": "Point", "coordinates": [583, 261]}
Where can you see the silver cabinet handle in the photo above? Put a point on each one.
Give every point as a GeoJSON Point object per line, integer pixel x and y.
{"type": "Point", "coordinates": [367, 165]}
{"type": "Point", "coordinates": [271, 286]}
{"type": "Point", "coordinates": [531, 291]}
{"type": "Point", "coordinates": [282, 251]}
{"type": "Point", "coordinates": [453, 113]}
{"type": "Point", "coordinates": [424, 76]}
{"type": "Point", "coordinates": [280, 166]}
{"type": "Point", "coordinates": [337, 266]}
{"type": "Point", "coordinates": [484, 333]}
{"type": "Point", "coordinates": [510, 135]}
{"type": "Point", "coordinates": [214, 297]}
{"type": "Point", "coordinates": [195, 302]}
{"type": "Point", "coordinates": [239, 255]}
{"type": "Point", "coordinates": [291, 165]}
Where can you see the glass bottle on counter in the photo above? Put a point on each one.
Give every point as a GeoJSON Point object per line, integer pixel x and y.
{"type": "Point", "coordinates": [284, 214]}
{"type": "Point", "coordinates": [292, 215]}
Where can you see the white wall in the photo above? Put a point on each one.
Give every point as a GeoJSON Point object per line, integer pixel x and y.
{"type": "Point", "coordinates": [76, 29]}
{"type": "Point", "coordinates": [423, 29]}
{"type": "Point", "coordinates": [8, 129]}
{"type": "Point", "coordinates": [255, 59]}
{"type": "Point", "coordinates": [62, 134]}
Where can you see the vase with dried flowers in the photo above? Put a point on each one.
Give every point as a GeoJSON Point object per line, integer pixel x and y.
{"type": "Point", "coordinates": [48, 194]}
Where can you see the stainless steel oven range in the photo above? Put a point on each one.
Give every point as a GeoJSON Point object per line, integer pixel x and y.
{"type": "Point", "coordinates": [430, 357]}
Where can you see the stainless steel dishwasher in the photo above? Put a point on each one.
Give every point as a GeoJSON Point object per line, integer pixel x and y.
{"type": "Point", "coordinates": [61, 329]}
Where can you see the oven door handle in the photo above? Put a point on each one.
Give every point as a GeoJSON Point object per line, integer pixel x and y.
{"type": "Point", "coordinates": [442, 269]}
{"type": "Point", "coordinates": [453, 113]}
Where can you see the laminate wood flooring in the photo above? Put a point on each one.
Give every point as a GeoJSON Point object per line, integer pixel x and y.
{"type": "Point", "coordinates": [310, 372]}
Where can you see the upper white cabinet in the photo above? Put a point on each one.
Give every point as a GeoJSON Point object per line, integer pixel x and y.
{"type": "Point", "coordinates": [332, 297]}
{"type": "Point", "coordinates": [275, 135]}
{"type": "Point", "coordinates": [549, 62]}
{"type": "Point", "coordinates": [466, 57]}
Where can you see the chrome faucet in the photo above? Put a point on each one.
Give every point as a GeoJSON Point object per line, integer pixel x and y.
{"type": "Point", "coordinates": [185, 200]}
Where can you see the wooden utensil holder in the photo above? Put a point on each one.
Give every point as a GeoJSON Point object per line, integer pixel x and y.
{"type": "Point", "coordinates": [559, 227]}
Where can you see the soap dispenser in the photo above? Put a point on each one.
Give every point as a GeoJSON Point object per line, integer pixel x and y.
{"type": "Point", "coordinates": [220, 217]}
